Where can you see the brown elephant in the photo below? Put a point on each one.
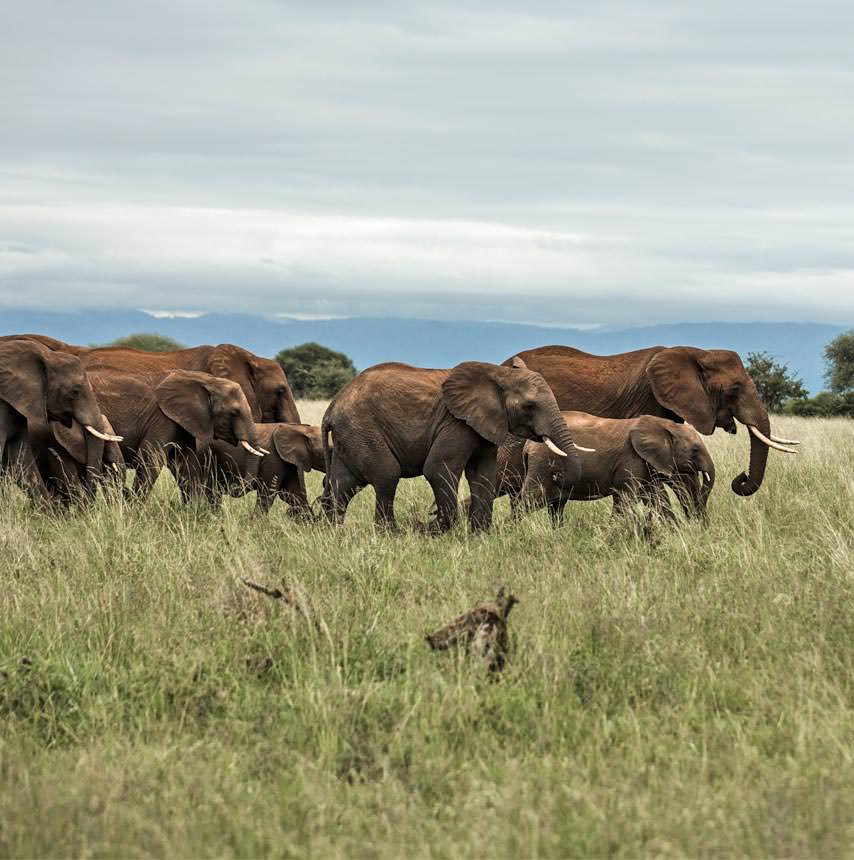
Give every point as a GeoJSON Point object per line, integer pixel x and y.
{"type": "Point", "coordinates": [634, 458]}
{"type": "Point", "coordinates": [38, 386]}
{"type": "Point", "coordinates": [705, 388]}
{"type": "Point", "coordinates": [290, 450]}
{"type": "Point", "coordinates": [173, 420]}
{"type": "Point", "coordinates": [263, 381]}
{"type": "Point", "coordinates": [394, 421]}
{"type": "Point", "coordinates": [61, 457]}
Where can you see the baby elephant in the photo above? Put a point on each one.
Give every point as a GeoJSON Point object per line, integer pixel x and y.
{"type": "Point", "coordinates": [635, 458]}
{"type": "Point", "coordinates": [290, 451]}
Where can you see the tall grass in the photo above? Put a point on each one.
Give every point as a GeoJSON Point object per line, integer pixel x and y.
{"type": "Point", "coordinates": [687, 696]}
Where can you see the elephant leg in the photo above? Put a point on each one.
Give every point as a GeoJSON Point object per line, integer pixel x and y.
{"type": "Point", "coordinates": [480, 473]}
{"type": "Point", "coordinates": [658, 501]}
{"type": "Point", "coordinates": [339, 488]}
{"type": "Point", "coordinates": [444, 480]}
{"type": "Point", "coordinates": [149, 463]}
{"type": "Point", "coordinates": [22, 466]}
{"type": "Point", "coordinates": [556, 508]}
{"type": "Point", "coordinates": [385, 491]}
{"type": "Point", "coordinates": [264, 500]}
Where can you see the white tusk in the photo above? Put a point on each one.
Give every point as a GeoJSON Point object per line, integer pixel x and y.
{"type": "Point", "coordinates": [553, 448]}
{"type": "Point", "coordinates": [784, 441]}
{"type": "Point", "coordinates": [106, 437]}
{"type": "Point", "coordinates": [250, 449]}
{"type": "Point", "coordinates": [263, 450]}
{"type": "Point", "coordinates": [707, 477]}
{"type": "Point", "coordinates": [763, 438]}
{"type": "Point", "coordinates": [582, 448]}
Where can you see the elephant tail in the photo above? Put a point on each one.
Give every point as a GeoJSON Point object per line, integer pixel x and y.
{"type": "Point", "coordinates": [326, 441]}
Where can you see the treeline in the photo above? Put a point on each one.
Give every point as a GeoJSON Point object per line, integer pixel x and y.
{"type": "Point", "coordinates": [783, 392]}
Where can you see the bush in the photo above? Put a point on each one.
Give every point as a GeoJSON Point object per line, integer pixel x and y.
{"type": "Point", "coordinates": [774, 382]}
{"type": "Point", "coordinates": [825, 404]}
{"type": "Point", "coordinates": [149, 342]}
{"type": "Point", "coordinates": [315, 371]}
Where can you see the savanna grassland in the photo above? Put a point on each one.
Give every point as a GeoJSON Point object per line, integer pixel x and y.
{"type": "Point", "coordinates": [690, 696]}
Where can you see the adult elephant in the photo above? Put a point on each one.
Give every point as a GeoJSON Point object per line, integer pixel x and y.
{"type": "Point", "coordinates": [263, 381]}
{"type": "Point", "coordinates": [174, 420]}
{"type": "Point", "coordinates": [38, 386]}
{"type": "Point", "coordinates": [394, 421]}
{"type": "Point", "coordinates": [707, 388]}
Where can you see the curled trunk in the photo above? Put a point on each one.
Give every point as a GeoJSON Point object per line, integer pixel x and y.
{"type": "Point", "coordinates": [748, 484]}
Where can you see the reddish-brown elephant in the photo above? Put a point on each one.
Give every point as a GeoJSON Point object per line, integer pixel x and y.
{"type": "Point", "coordinates": [263, 381]}
{"type": "Point", "coordinates": [707, 388]}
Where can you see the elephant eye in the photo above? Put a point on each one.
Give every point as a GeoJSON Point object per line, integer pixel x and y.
{"type": "Point", "coordinates": [75, 392]}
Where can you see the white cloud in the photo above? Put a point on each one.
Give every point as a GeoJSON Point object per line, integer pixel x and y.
{"type": "Point", "coordinates": [635, 162]}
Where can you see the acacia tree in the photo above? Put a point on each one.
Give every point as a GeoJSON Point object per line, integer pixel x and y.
{"type": "Point", "coordinates": [839, 358]}
{"type": "Point", "coordinates": [149, 342]}
{"type": "Point", "coordinates": [774, 381]}
{"type": "Point", "coordinates": [315, 371]}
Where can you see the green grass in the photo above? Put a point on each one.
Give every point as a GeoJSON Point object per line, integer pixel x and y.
{"type": "Point", "coordinates": [691, 697]}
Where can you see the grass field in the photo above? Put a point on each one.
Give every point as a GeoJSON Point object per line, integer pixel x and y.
{"type": "Point", "coordinates": [689, 697]}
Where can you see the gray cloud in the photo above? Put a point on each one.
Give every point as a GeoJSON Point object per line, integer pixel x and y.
{"type": "Point", "coordinates": [563, 162]}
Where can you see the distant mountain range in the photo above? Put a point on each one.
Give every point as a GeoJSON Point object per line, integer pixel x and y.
{"type": "Point", "coordinates": [431, 343]}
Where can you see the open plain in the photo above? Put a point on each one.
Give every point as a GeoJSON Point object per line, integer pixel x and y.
{"type": "Point", "coordinates": [693, 695]}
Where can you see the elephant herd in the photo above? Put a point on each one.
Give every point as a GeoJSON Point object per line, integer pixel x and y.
{"type": "Point", "coordinates": [547, 426]}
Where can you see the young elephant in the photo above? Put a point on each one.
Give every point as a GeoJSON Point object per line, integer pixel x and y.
{"type": "Point", "coordinates": [634, 458]}
{"type": "Point", "coordinates": [61, 457]}
{"type": "Point", "coordinates": [174, 419]}
{"type": "Point", "coordinates": [290, 451]}
{"type": "Point", "coordinates": [394, 421]}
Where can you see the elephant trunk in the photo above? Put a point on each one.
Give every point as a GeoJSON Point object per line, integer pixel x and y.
{"type": "Point", "coordinates": [87, 413]}
{"type": "Point", "coordinates": [556, 430]}
{"type": "Point", "coordinates": [748, 484]}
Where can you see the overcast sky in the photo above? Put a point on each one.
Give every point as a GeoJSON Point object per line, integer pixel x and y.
{"type": "Point", "coordinates": [567, 162]}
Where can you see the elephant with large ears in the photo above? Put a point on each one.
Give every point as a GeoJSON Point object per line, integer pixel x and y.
{"type": "Point", "coordinates": [633, 458]}
{"type": "Point", "coordinates": [174, 420]}
{"type": "Point", "coordinates": [263, 381]}
{"type": "Point", "coordinates": [38, 386]}
{"type": "Point", "coordinates": [707, 388]}
{"type": "Point", "coordinates": [394, 421]}
{"type": "Point", "coordinates": [290, 450]}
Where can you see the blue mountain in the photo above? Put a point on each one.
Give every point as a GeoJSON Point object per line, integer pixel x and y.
{"type": "Point", "coordinates": [431, 343]}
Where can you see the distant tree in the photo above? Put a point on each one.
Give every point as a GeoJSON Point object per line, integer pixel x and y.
{"type": "Point", "coordinates": [839, 358]}
{"type": "Point", "coordinates": [825, 404]}
{"type": "Point", "coordinates": [775, 383]}
{"type": "Point", "coordinates": [315, 371]}
{"type": "Point", "coordinates": [149, 342]}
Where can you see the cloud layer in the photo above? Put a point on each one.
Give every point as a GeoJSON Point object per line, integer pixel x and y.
{"type": "Point", "coordinates": [571, 163]}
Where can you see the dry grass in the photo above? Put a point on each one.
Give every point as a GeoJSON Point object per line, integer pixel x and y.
{"type": "Point", "coordinates": [692, 697]}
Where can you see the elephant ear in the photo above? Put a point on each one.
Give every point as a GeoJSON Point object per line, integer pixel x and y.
{"type": "Point", "coordinates": [654, 444]}
{"type": "Point", "coordinates": [293, 447]}
{"type": "Point", "coordinates": [472, 394]}
{"type": "Point", "coordinates": [232, 362]}
{"type": "Point", "coordinates": [72, 439]}
{"type": "Point", "coordinates": [23, 379]}
{"type": "Point", "coordinates": [676, 377]}
{"type": "Point", "coordinates": [184, 397]}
